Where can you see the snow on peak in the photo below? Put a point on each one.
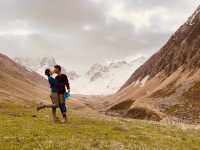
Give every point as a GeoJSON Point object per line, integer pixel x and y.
{"type": "Point", "coordinates": [97, 68]}
{"type": "Point", "coordinates": [72, 75]}
{"type": "Point", "coordinates": [48, 61]}
{"type": "Point", "coordinates": [105, 78]}
{"type": "Point", "coordinates": [40, 64]}
{"type": "Point", "coordinates": [108, 77]}
{"type": "Point", "coordinates": [35, 63]}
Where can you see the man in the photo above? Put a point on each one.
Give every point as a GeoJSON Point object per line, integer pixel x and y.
{"type": "Point", "coordinates": [62, 83]}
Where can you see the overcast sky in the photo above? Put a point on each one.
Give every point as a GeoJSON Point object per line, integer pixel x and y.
{"type": "Point", "coordinates": [79, 33]}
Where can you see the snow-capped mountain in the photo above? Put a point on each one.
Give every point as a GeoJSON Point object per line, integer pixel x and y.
{"type": "Point", "coordinates": [36, 64]}
{"type": "Point", "coordinates": [106, 78]}
{"type": "Point", "coordinates": [40, 64]}
{"type": "Point", "coordinates": [167, 84]}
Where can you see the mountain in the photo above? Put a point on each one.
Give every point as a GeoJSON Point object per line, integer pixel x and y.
{"type": "Point", "coordinates": [36, 64]}
{"type": "Point", "coordinates": [106, 78]}
{"type": "Point", "coordinates": [180, 50]}
{"type": "Point", "coordinates": [40, 64]}
{"type": "Point", "coordinates": [168, 84]}
{"type": "Point", "coordinates": [18, 83]}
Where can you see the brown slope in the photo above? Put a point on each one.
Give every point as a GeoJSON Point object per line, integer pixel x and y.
{"type": "Point", "coordinates": [173, 84]}
{"type": "Point", "coordinates": [17, 83]}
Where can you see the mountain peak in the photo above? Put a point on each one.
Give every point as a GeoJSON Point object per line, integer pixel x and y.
{"type": "Point", "coordinates": [174, 53]}
{"type": "Point", "coordinates": [48, 61]}
{"type": "Point", "coordinates": [166, 85]}
{"type": "Point", "coordinates": [40, 64]}
{"type": "Point", "coordinates": [196, 14]}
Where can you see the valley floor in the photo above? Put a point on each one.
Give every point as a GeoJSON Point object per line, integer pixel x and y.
{"type": "Point", "coordinates": [21, 128]}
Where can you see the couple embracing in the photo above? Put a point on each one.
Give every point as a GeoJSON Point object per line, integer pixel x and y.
{"type": "Point", "coordinates": [58, 92]}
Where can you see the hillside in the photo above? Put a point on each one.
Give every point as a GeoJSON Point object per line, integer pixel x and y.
{"type": "Point", "coordinates": [182, 49]}
{"type": "Point", "coordinates": [21, 127]}
{"type": "Point", "coordinates": [168, 84]}
{"type": "Point", "coordinates": [18, 83]}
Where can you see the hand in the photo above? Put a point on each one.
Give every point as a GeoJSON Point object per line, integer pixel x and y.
{"type": "Point", "coordinates": [69, 91]}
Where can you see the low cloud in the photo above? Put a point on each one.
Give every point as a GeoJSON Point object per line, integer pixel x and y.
{"type": "Point", "coordinates": [79, 33]}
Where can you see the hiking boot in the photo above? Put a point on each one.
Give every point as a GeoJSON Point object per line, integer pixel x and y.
{"type": "Point", "coordinates": [64, 120]}
{"type": "Point", "coordinates": [40, 106]}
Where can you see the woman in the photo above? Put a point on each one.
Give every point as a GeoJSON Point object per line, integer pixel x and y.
{"type": "Point", "coordinates": [53, 95]}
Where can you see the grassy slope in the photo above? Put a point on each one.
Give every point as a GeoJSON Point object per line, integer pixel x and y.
{"type": "Point", "coordinates": [20, 130]}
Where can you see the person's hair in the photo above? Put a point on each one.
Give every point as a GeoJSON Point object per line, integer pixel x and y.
{"type": "Point", "coordinates": [47, 72]}
{"type": "Point", "coordinates": [58, 67]}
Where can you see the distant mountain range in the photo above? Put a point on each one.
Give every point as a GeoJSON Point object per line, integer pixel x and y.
{"type": "Point", "coordinates": [39, 65]}
{"type": "Point", "coordinates": [36, 64]}
{"type": "Point", "coordinates": [105, 78]}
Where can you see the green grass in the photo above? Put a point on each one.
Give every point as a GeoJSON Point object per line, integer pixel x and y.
{"type": "Point", "coordinates": [20, 129]}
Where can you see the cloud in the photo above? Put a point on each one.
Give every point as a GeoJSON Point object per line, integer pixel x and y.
{"type": "Point", "coordinates": [79, 33]}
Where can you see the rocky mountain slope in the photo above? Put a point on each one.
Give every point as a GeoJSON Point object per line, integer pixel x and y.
{"type": "Point", "coordinates": [182, 49]}
{"type": "Point", "coordinates": [18, 83]}
{"type": "Point", "coordinates": [168, 84]}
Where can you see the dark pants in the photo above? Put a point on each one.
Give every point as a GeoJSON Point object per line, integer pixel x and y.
{"type": "Point", "coordinates": [59, 101]}
{"type": "Point", "coordinates": [62, 104]}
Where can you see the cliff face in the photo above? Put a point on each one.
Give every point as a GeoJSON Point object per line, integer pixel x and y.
{"type": "Point", "coordinates": [182, 49]}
